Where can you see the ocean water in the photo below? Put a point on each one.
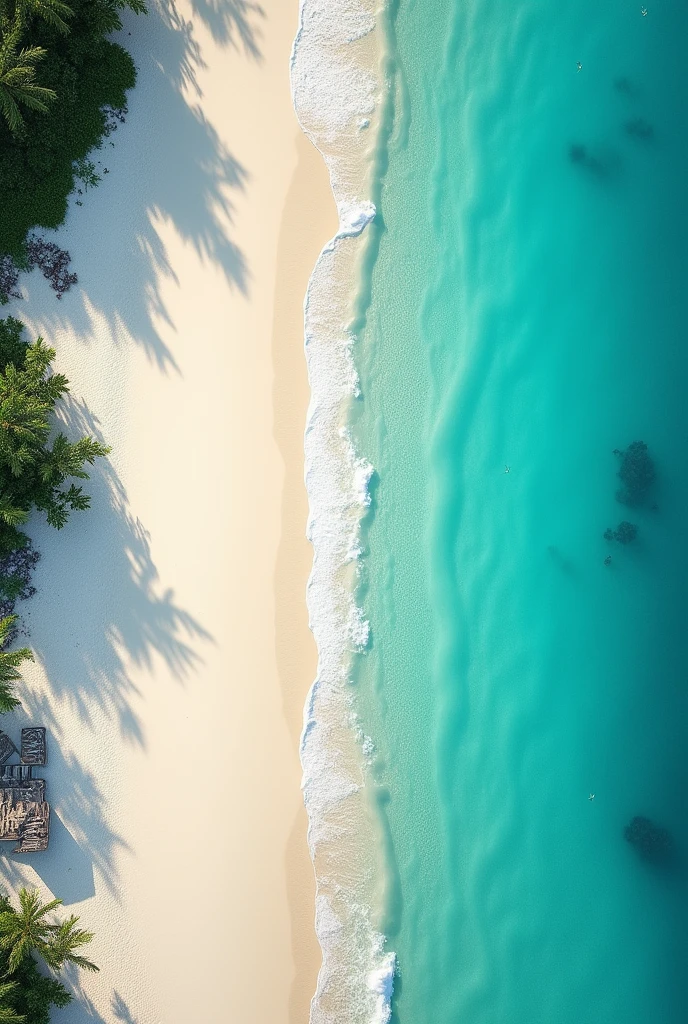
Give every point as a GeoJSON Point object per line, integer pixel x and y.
{"type": "Point", "coordinates": [521, 303]}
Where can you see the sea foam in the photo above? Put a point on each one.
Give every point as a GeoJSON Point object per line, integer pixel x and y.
{"type": "Point", "coordinates": [381, 984]}
{"type": "Point", "coordinates": [336, 88]}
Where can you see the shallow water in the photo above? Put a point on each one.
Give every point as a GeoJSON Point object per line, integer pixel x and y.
{"type": "Point", "coordinates": [523, 306]}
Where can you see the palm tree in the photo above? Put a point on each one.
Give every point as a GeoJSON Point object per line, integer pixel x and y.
{"type": "Point", "coordinates": [9, 663]}
{"type": "Point", "coordinates": [26, 930]}
{"type": "Point", "coordinates": [18, 77]}
{"type": "Point", "coordinates": [53, 12]}
{"type": "Point", "coordinates": [7, 1014]}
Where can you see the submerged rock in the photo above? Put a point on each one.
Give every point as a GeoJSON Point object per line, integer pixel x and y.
{"type": "Point", "coordinates": [602, 163]}
{"type": "Point", "coordinates": [625, 532]}
{"type": "Point", "coordinates": [639, 128]}
{"type": "Point", "coordinates": [637, 474]}
{"type": "Point", "coordinates": [653, 843]}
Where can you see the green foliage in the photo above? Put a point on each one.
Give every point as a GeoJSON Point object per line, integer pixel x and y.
{"type": "Point", "coordinates": [30, 994]}
{"type": "Point", "coordinates": [85, 72]}
{"type": "Point", "coordinates": [18, 86]}
{"type": "Point", "coordinates": [36, 993]}
{"type": "Point", "coordinates": [27, 930]}
{"type": "Point", "coordinates": [35, 472]}
{"type": "Point", "coordinates": [9, 664]}
{"type": "Point", "coordinates": [8, 1015]}
{"type": "Point", "coordinates": [24, 933]}
{"type": "Point", "coordinates": [85, 172]}
{"type": "Point", "coordinates": [12, 348]}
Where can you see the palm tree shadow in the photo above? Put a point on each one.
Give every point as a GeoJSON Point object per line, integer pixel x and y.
{"type": "Point", "coordinates": [120, 1010]}
{"type": "Point", "coordinates": [234, 22]}
{"type": "Point", "coordinates": [116, 619]}
{"type": "Point", "coordinates": [100, 613]}
{"type": "Point", "coordinates": [81, 839]}
{"type": "Point", "coordinates": [170, 170]}
{"type": "Point", "coordinates": [82, 1010]}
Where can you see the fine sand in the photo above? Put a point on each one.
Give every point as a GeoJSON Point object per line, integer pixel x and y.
{"type": "Point", "coordinates": [173, 654]}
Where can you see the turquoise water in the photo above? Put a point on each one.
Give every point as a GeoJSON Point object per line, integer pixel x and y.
{"type": "Point", "coordinates": [524, 305]}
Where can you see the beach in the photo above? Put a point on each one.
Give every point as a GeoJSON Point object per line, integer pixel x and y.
{"type": "Point", "coordinates": [173, 655]}
{"type": "Point", "coordinates": [437, 430]}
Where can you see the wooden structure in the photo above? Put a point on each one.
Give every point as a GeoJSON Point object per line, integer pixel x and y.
{"type": "Point", "coordinates": [33, 746]}
{"type": "Point", "coordinates": [24, 811]}
{"type": "Point", "coordinates": [7, 748]}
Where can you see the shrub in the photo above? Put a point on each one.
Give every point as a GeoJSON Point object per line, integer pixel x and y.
{"type": "Point", "coordinates": [16, 571]}
{"type": "Point", "coordinates": [26, 933]}
{"type": "Point", "coordinates": [35, 471]}
{"type": "Point", "coordinates": [32, 994]}
{"type": "Point", "coordinates": [90, 77]}
{"type": "Point", "coordinates": [10, 662]}
{"type": "Point", "coordinates": [12, 347]}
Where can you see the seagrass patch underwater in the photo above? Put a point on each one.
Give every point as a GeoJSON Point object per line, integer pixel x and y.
{"type": "Point", "coordinates": [522, 325]}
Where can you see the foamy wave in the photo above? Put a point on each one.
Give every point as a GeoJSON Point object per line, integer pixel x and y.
{"type": "Point", "coordinates": [359, 627]}
{"type": "Point", "coordinates": [381, 984]}
{"type": "Point", "coordinates": [335, 91]}
{"type": "Point", "coordinates": [354, 217]}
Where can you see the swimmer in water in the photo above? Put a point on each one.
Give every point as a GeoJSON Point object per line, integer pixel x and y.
{"type": "Point", "coordinates": [643, 11]}
{"type": "Point", "coordinates": [507, 469]}
{"type": "Point", "coordinates": [579, 66]}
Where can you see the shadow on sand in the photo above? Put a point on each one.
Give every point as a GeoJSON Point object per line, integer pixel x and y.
{"type": "Point", "coordinates": [82, 1010]}
{"type": "Point", "coordinates": [116, 618]}
{"type": "Point", "coordinates": [178, 172]}
{"type": "Point", "coordinates": [172, 168]}
{"type": "Point", "coordinates": [233, 22]}
{"type": "Point", "coordinates": [124, 616]}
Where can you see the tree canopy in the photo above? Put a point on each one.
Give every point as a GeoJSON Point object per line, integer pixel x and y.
{"type": "Point", "coordinates": [26, 994]}
{"type": "Point", "coordinates": [9, 665]}
{"type": "Point", "coordinates": [59, 75]}
{"type": "Point", "coordinates": [37, 472]}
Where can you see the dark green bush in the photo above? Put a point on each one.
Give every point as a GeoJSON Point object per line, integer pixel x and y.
{"type": "Point", "coordinates": [26, 933]}
{"type": "Point", "coordinates": [12, 346]}
{"type": "Point", "coordinates": [33, 994]}
{"type": "Point", "coordinates": [35, 470]}
{"type": "Point", "coordinates": [89, 75]}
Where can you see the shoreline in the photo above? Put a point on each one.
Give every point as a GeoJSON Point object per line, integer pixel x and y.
{"type": "Point", "coordinates": [339, 81]}
{"type": "Point", "coordinates": [296, 651]}
{"type": "Point", "coordinates": [177, 601]}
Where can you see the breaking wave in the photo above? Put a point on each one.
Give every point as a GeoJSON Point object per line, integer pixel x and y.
{"type": "Point", "coordinates": [336, 91]}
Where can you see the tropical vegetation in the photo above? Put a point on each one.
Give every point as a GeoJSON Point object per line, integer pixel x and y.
{"type": "Point", "coordinates": [35, 470]}
{"type": "Point", "coordinates": [63, 86]}
{"type": "Point", "coordinates": [39, 468]}
{"type": "Point", "coordinates": [9, 665]}
{"type": "Point", "coordinates": [28, 936]}
{"type": "Point", "coordinates": [61, 82]}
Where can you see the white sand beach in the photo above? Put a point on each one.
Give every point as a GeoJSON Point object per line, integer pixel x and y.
{"type": "Point", "coordinates": [170, 630]}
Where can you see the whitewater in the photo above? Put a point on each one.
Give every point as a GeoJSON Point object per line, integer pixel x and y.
{"type": "Point", "coordinates": [336, 89]}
